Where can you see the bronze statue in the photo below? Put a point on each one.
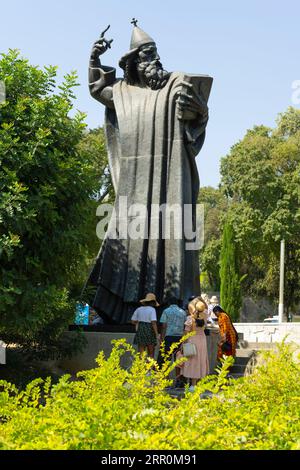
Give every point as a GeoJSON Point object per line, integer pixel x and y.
{"type": "Point", "coordinates": [155, 125]}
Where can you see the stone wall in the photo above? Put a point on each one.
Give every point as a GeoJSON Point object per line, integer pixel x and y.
{"type": "Point", "coordinates": [101, 341]}
{"type": "Point", "coordinates": [95, 342]}
{"type": "Point", "coordinates": [270, 332]}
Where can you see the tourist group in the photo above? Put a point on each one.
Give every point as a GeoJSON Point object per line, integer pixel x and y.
{"type": "Point", "coordinates": [200, 316]}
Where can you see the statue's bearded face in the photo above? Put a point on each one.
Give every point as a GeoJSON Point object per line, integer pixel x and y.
{"type": "Point", "coordinates": [150, 69]}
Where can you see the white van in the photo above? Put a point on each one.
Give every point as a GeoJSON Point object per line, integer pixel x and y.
{"type": "Point", "coordinates": [274, 319]}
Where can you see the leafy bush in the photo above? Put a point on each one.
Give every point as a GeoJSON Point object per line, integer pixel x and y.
{"type": "Point", "coordinates": [116, 409]}
{"type": "Point", "coordinates": [47, 214]}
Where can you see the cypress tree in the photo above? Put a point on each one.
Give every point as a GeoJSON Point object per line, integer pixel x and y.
{"type": "Point", "coordinates": [231, 297]}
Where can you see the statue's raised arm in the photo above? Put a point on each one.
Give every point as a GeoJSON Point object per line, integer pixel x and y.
{"type": "Point", "coordinates": [101, 77]}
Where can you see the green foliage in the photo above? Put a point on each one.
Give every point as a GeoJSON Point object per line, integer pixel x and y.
{"type": "Point", "coordinates": [215, 204]}
{"type": "Point", "coordinates": [116, 409]}
{"type": "Point", "coordinates": [93, 143]}
{"type": "Point", "coordinates": [231, 297]}
{"type": "Point", "coordinates": [260, 177]}
{"type": "Point", "coordinates": [47, 215]}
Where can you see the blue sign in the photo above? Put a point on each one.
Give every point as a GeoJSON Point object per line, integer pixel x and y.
{"type": "Point", "coordinates": [82, 314]}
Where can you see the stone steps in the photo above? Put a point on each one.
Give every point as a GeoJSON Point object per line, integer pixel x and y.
{"type": "Point", "coordinates": [243, 360]}
{"type": "Point", "coordinates": [244, 353]}
{"type": "Point", "coordinates": [236, 375]}
{"type": "Point", "coordinates": [238, 368]}
{"type": "Point", "coordinates": [243, 356]}
{"type": "Point", "coordinates": [256, 346]}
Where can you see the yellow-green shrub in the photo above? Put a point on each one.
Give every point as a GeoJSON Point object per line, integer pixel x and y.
{"type": "Point", "coordinates": [112, 408]}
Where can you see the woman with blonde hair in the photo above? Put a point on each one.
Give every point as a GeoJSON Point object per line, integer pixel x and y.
{"type": "Point", "coordinates": [197, 366]}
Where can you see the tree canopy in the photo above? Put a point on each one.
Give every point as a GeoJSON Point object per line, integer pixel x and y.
{"type": "Point", "coordinates": [215, 204]}
{"type": "Point", "coordinates": [48, 180]}
{"type": "Point", "coordinates": [260, 180]}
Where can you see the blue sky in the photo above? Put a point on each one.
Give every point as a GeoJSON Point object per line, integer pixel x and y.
{"type": "Point", "coordinates": [251, 48]}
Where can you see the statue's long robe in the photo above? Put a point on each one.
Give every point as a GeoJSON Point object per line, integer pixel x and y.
{"type": "Point", "coordinates": [152, 161]}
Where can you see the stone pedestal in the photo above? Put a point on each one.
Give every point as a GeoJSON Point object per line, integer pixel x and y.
{"type": "Point", "coordinates": [95, 342]}
{"type": "Point", "coordinates": [212, 348]}
{"type": "Point", "coordinates": [101, 341]}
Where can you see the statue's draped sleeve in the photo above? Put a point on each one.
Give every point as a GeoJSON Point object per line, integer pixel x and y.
{"type": "Point", "coordinates": [195, 135]}
{"type": "Point", "coordinates": [101, 80]}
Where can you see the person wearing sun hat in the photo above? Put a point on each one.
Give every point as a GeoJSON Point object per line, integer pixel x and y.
{"type": "Point", "coordinates": [193, 301]}
{"type": "Point", "coordinates": [213, 302]}
{"type": "Point", "coordinates": [197, 366]}
{"type": "Point", "coordinates": [145, 319]}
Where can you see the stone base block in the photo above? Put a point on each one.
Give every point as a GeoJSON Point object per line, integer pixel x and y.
{"type": "Point", "coordinates": [102, 341]}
